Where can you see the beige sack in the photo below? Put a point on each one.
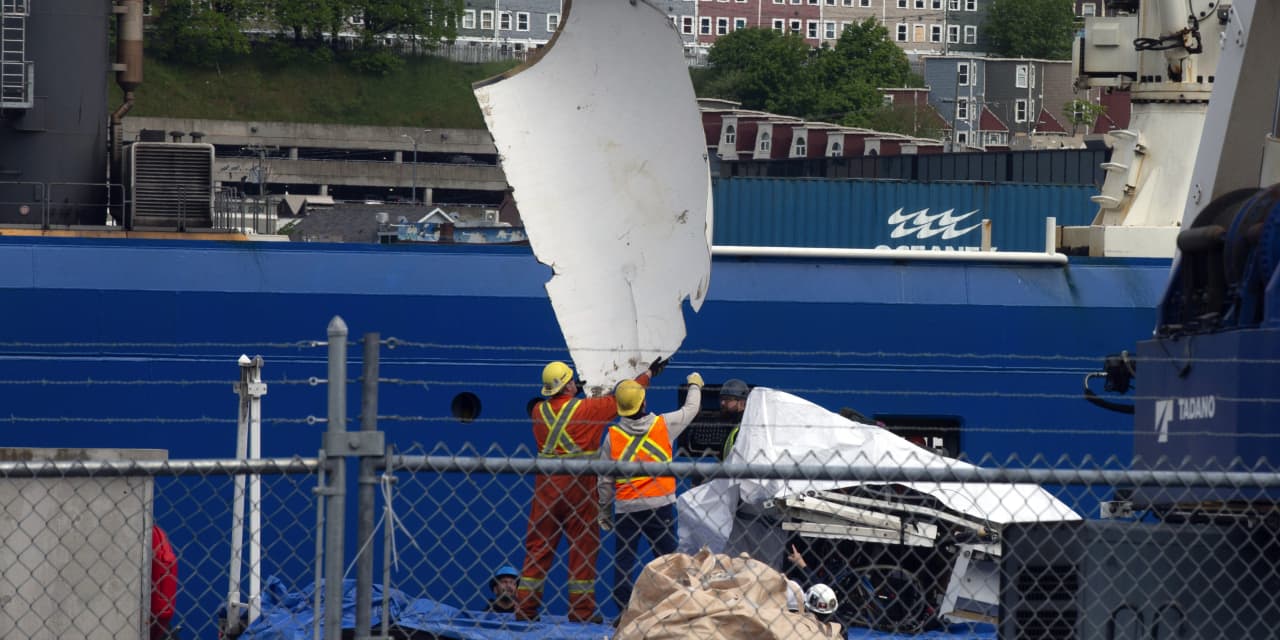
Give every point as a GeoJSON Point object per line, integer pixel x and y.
{"type": "Point", "coordinates": [714, 597]}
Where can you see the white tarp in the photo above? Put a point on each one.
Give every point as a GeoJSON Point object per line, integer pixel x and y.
{"type": "Point", "coordinates": [601, 139]}
{"type": "Point", "coordinates": [778, 427]}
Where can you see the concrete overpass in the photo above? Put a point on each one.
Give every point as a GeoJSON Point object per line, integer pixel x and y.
{"type": "Point", "coordinates": [282, 148]}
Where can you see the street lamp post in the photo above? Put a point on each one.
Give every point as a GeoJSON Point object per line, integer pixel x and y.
{"type": "Point", "coordinates": [413, 175]}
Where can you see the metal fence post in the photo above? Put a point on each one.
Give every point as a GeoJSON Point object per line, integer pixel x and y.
{"type": "Point", "coordinates": [250, 389]}
{"type": "Point", "coordinates": [368, 483]}
{"type": "Point", "coordinates": [335, 509]}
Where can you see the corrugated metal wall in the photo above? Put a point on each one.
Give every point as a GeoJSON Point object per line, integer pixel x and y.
{"type": "Point", "coordinates": [866, 214]}
{"type": "Point", "coordinates": [1070, 166]}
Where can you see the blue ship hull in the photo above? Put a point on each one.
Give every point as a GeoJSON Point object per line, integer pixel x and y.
{"type": "Point", "coordinates": [1001, 348]}
{"type": "Point", "coordinates": [124, 344]}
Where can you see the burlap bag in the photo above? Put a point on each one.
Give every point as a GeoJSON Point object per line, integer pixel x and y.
{"type": "Point", "coordinates": [714, 597]}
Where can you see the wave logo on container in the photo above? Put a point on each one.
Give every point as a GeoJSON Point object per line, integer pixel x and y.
{"type": "Point", "coordinates": [1196, 408]}
{"type": "Point", "coordinates": [923, 225]}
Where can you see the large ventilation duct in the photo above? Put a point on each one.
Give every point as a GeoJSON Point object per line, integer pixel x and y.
{"type": "Point", "coordinates": [172, 185]}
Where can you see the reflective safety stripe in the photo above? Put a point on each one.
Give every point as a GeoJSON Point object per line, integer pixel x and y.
{"type": "Point", "coordinates": [582, 586]}
{"type": "Point", "coordinates": [556, 434]}
{"type": "Point", "coordinates": [653, 446]}
{"type": "Point", "coordinates": [635, 443]}
{"type": "Point", "coordinates": [531, 584]}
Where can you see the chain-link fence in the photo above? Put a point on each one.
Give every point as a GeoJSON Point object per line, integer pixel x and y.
{"type": "Point", "coordinates": [101, 543]}
{"type": "Point", "coordinates": [793, 521]}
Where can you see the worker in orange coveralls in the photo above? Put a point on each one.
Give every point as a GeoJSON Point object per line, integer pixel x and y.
{"type": "Point", "coordinates": [565, 426]}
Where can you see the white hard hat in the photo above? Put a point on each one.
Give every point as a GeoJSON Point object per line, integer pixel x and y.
{"type": "Point", "coordinates": [821, 599]}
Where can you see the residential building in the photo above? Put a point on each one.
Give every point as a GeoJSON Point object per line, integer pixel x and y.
{"type": "Point", "coordinates": [965, 20]}
{"type": "Point", "coordinates": [918, 26]}
{"type": "Point", "coordinates": [521, 25]}
{"type": "Point", "coordinates": [988, 101]}
{"type": "Point", "coordinates": [801, 17]}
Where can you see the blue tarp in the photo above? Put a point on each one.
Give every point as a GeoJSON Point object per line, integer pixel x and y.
{"type": "Point", "coordinates": [288, 616]}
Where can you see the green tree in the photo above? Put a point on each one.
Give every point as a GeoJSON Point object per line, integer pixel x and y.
{"type": "Point", "coordinates": [760, 68]}
{"type": "Point", "coordinates": [202, 34]}
{"type": "Point", "coordinates": [777, 72]}
{"type": "Point", "coordinates": [848, 77]}
{"type": "Point", "coordinates": [1031, 28]}
{"type": "Point", "coordinates": [1082, 113]}
{"type": "Point", "coordinates": [310, 19]}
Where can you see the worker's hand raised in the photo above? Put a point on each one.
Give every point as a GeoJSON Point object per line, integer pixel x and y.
{"type": "Point", "coordinates": [657, 366]}
{"type": "Point", "coordinates": [695, 379]}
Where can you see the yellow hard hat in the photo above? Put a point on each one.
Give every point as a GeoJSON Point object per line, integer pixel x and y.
{"type": "Point", "coordinates": [630, 397]}
{"type": "Point", "coordinates": [554, 377]}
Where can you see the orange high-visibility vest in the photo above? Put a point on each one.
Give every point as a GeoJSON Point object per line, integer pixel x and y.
{"type": "Point", "coordinates": [653, 446]}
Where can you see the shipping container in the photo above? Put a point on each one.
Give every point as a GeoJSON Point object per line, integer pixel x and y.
{"type": "Point", "coordinates": [868, 214]}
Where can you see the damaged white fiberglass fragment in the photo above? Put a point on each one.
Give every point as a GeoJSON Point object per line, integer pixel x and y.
{"type": "Point", "coordinates": [601, 140]}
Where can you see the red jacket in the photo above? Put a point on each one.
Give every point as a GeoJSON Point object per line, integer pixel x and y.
{"type": "Point", "coordinates": [164, 577]}
{"type": "Point", "coordinates": [585, 429]}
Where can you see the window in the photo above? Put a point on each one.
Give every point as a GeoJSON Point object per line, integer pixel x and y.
{"type": "Point", "coordinates": [970, 34]}
{"type": "Point", "coordinates": [935, 33]}
{"type": "Point", "coordinates": [704, 26]}
{"type": "Point", "coordinates": [504, 20]}
{"type": "Point", "coordinates": [829, 30]}
{"type": "Point", "coordinates": [1088, 9]}
{"type": "Point", "coordinates": [553, 21]}
{"type": "Point", "coordinates": [953, 5]}
{"type": "Point", "coordinates": [1020, 111]}
{"type": "Point", "coordinates": [953, 33]}
{"type": "Point", "coordinates": [864, 3]}
{"type": "Point", "coordinates": [779, 1]}
{"type": "Point", "coordinates": [920, 4]}
{"type": "Point", "coordinates": [995, 137]}
{"type": "Point", "coordinates": [902, 32]}
{"type": "Point", "coordinates": [486, 20]}
{"type": "Point", "coordinates": [522, 21]}
{"type": "Point", "coordinates": [730, 134]}
{"type": "Point", "coordinates": [970, 5]}
{"type": "Point", "coordinates": [722, 26]}
{"type": "Point", "coordinates": [686, 25]}
{"type": "Point", "coordinates": [962, 137]}
{"type": "Point", "coordinates": [902, 4]}
{"type": "Point", "coordinates": [469, 19]}
{"type": "Point", "coordinates": [801, 147]}
{"type": "Point", "coordinates": [835, 149]}
{"type": "Point", "coordinates": [739, 23]}
{"type": "Point", "coordinates": [813, 1]}
{"type": "Point", "coordinates": [1020, 76]}
{"type": "Point", "coordinates": [962, 109]}
{"type": "Point", "coordinates": [764, 141]}
{"type": "Point", "coordinates": [796, 27]}
{"type": "Point", "coordinates": [887, 99]}
{"type": "Point", "coordinates": [937, 4]}
{"type": "Point", "coordinates": [917, 34]}
{"type": "Point", "coordinates": [779, 25]}
{"type": "Point", "coordinates": [962, 74]}
{"type": "Point", "coordinates": [812, 29]}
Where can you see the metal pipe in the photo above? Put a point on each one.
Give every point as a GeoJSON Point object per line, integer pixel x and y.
{"type": "Point", "coordinates": [1031, 257]}
{"type": "Point", "coordinates": [336, 507]}
{"type": "Point", "coordinates": [368, 485]}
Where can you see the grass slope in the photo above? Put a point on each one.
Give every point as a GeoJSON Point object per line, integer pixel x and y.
{"type": "Point", "coordinates": [425, 92]}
